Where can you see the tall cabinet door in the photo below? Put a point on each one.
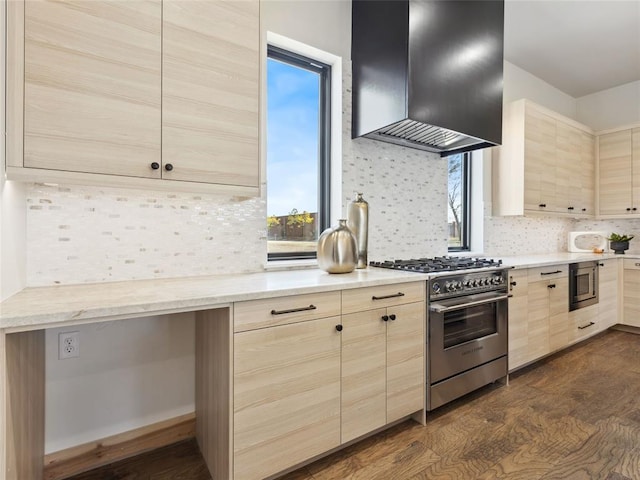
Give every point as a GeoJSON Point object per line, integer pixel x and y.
{"type": "Point", "coordinates": [286, 396]}
{"type": "Point", "coordinates": [540, 167]}
{"type": "Point", "coordinates": [210, 91]}
{"type": "Point", "coordinates": [92, 86]}
{"type": "Point", "coordinates": [615, 172]}
{"type": "Point", "coordinates": [636, 171]}
{"type": "Point", "coordinates": [405, 360]}
{"type": "Point", "coordinates": [364, 389]}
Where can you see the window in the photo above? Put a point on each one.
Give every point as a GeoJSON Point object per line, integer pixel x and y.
{"type": "Point", "coordinates": [458, 200]}
{"type": "Point", "coordinates": [298, 153]}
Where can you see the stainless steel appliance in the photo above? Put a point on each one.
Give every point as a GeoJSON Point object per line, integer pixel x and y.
{"type": "Point", "coordinates": [467, 341]}
{"type": "Point", "coordinates": [583, 284]}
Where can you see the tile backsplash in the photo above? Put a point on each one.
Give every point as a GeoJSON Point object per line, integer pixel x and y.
{"type": "Point", "coordinates": [79, 234]}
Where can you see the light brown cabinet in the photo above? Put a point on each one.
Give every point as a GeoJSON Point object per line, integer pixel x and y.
{"type": "Point", "coordinates": [619, 173]}
{"type": "Point", "coordinates": [518, 321]}
{"type": "Point", "coordinates": [631, 293]}
{"type": "Point", "coordinates": [210, 86]}
{"type": "Point", "coordinates": [383, 373]}
{"type": "Point", "coordinates": [609, 293]}
{"type": "Point", "coordinates": [548, 305]}
{"type": "Point", "coordinates": [160, 94]}
{"type": "Point", "coordinates": [286, 406]}
{"type": "Point", "coordinates": [92, 81]}
{"type": "Point", "coordinates": [311, 372]}
{"type": "Point", "coordinates": [545, 165]}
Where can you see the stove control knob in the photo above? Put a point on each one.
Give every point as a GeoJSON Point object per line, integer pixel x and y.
{"type": "Point", "coordinates": [476, 283]}
{"type": "Point", "coordinates": [497, 280]}
{"type": "Point", "coordinates": [468, 284]}
{"type": "Point", "coordinates": [450, 286]}
{"type": "Point", "coordinates": [435, 287]}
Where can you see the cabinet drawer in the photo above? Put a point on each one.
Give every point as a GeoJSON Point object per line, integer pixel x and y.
{"type": "Point", "coordinates": [367, 298]}
{"type": "Point", "coordinates": [548, 273]}
{"type": "Point", "coordinates": [284, 310]}
{"type": "Point", "coordinates": [632, 263]}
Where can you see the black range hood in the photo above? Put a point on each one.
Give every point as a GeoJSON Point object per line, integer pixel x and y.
{"type": "Point", "coordinates": [427, 74]}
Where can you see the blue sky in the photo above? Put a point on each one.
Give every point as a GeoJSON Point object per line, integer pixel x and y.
{"type": "Point", "coordinates": [292, 139]}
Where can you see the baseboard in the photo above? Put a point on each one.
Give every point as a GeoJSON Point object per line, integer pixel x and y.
{"type": "Point", "coordinates": [81, 458]}
{"type": "Point", "coordinates": [626, 328]}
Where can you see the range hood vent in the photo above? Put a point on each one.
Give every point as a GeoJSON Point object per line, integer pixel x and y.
{"type": "Point", "coordinates": [427, 74]}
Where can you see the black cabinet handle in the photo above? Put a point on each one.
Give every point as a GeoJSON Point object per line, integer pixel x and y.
{"type": "Point", "coordinates": [569, 208]}
{"type": "Point", "coordinates": [601, 264]}
{"type": "Point", "coordinates": [584, 209]}
{"type": "Point", "coordinates": [339, 327]}
{"type": "Point", "coordinates": [634, 209]}
{"type": "Point", "coordinates": [550, 273]}
{"type": "Point", "coordinates": [553, 285]}
{"type": "Point", "coordinates": [385, 318]}
{"type": "Point", "coordinates": [392, 317]}
{"type": "Point", "coordinates": [586, 326]}
{"type": "Point", "coordinates": [513, 284]}
{"type": "Point", "coordinates": [155, 165]}
{"type": "Point", "coordinates": [543, 205]}
{"type": "Point", "coordinates": [399, 294]}
{"type": "Point", "coordinates": [168, 167]}
{"type": "Point", "coordinates": [293, 310]}
{"type": "Point", "coordinates": [628, 209]}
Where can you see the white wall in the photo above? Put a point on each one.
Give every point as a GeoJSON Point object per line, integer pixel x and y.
{"type": "Point", "coordinates": [519, 83]}
{"type": "Point", "coordinates": [610, 108]}
{"type": "Point", "coordinates": [129, 374]}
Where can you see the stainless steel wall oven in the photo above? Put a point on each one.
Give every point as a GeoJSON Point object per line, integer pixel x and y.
{"type": "Point", "coordinates": [467, 334]}
{"type": "Point", "coordinates": [583, 284]}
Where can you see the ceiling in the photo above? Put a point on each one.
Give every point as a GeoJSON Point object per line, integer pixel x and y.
{"type": "Point", "coordinates": [578, 46]}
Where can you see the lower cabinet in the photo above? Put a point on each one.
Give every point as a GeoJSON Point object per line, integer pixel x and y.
{"type": "Point", "coordinates": [608, 293]}
{"type": "Point", "coordinates": [306, 380]}
{"type": "Point", "coordinates": [382, 367]}
{"type": "Point", "coordinates": [286, 396]}
{"type": "Point", "coordinates": [631, 313]}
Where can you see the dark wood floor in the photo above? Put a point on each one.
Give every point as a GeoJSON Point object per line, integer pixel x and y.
{"type": "Point", "coordinates": [575, 415]}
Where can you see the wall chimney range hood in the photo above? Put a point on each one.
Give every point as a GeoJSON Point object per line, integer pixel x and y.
{"type": "Point", "coordinates": [427, 74]}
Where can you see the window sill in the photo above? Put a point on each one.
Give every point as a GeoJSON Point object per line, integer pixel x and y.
{"type": "Point", "coordinates": [465, 254]}
{"type": "Point", "coordinates": [275, 265]}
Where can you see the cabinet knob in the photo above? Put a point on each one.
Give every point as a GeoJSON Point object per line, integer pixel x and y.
{"type": "Point", "coordinates": [392, 317]}
{"type": "Point", "coordinates": [601, 264]}
{"type": "Point", "coordinates": [584, 209]}
{"type": "Point", "coordinates": [553, 285]}
{"type": "Point", "coordinates": [155, 166]}
{"type": "Point", "coordinates": [543, 205]}
{"type": "Point", "coordinates": [339, 328]}
{"type": "Point", "coordinates": [628, 209]}
{"type": "Point", "coordinates": [168, 167]}
{"type": "Point", "coordinates": [634, 209]}
{"type": "Point", "coordinates": [385, 318]}
{"type": "Point", "coordinates": [513, 284]}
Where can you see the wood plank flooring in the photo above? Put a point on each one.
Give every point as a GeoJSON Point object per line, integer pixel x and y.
{"type": "Point", "coordinates": [575, 415]}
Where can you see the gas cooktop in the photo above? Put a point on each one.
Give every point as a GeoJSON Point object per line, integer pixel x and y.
{"type": "Point", "coordinates": [438, 264]}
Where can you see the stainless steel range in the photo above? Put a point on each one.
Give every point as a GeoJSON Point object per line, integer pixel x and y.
{"type": "Point", "coordinates": [467, 324]}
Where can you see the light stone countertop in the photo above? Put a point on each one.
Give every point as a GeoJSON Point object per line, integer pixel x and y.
{"type": "Point", "coordinates": [544, 259]}
{"type": "Point", "coordinates": [47, 307]}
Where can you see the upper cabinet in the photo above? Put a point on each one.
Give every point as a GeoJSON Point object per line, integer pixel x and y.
{"type": "Point", "coordinates": [153, 94]}
{"type": "Point", "coordinates": [92, 86]}
{"type": "Point", "coordinates": [545, 165]}
{"type": "Point", "coordinates": [210, 78]}
{"type": "Point", "coordinates": [619, 173]}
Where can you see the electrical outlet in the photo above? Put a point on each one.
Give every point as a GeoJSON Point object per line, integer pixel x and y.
{"type": "Point", "coordinates": [68, 345]}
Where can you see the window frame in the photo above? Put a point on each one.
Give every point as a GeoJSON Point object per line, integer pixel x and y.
{"type": "Point", "coordinates": [324, 140]}
{"type": "Point", "coordinates": [465, 218]}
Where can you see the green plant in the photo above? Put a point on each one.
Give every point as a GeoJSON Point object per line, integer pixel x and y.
{"type": "Point", "coordinates": [615, 237]}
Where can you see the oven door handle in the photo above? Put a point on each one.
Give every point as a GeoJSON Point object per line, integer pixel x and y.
{"type": "Point", "coordinates": [438, 308]}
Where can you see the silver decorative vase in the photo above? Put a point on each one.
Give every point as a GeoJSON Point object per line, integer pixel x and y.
{"type": "Point", "coordinates": [337, 250]}
{"type": "Point", "coordinates": [358, 223]}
